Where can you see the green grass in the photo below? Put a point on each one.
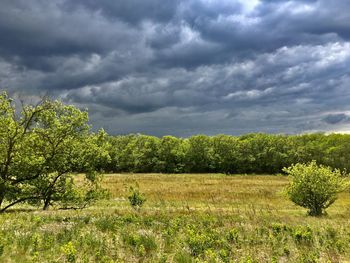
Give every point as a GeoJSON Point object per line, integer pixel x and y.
{"type": "Point", "coordinates": [186, 218]}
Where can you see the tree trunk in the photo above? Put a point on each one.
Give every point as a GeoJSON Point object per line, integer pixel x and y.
{"type": "Point", "coordinates": [2, 193]}
{"type": "Point", "coordinates": [1, 199]}
{"type": "Point", "coordinates": [47, 203]}
{"type": "Point", "coordinates": [316, 211]}
{"type": "Point", "coordinates": [13, 203]}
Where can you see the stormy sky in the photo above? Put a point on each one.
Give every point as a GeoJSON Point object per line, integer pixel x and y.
{"type": "Point", "coordinates": [183, 67]}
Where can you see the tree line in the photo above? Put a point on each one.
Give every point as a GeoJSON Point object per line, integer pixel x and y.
{"type": "Point", "coordinates": [42, 146]}
{"type": "Point", "coordinates": [251, 153]}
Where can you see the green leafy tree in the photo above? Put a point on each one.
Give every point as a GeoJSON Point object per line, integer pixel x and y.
{"type": "Point", "coordinates": [337, 151]}
{"type": "Point", "coordinates": [19, 161]}
{"type": "Point", "coordinates": [144, 153]}
{"type": "Point", "coordinates": [121, 153]}
{"type": "Point", "coordinates": [250, 153]}
{"type": "Point", "coordinates": [199, 155]}
{"type": "Point", "coordinates": [42, 146]}
{"type": "Point", "coordinates": [66, 145]}
{"type": "Point", "coordinates": [171, 154]}
{"type": "Point", "coordinates": [225, 153]}
{"type": "Point", "coordinates": [314, 187]}
{"type": "Point", "coordinates": [99, 158]}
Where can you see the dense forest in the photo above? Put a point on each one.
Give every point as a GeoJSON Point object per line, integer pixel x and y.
{"type": "Point", "coordinates": [251, 153]}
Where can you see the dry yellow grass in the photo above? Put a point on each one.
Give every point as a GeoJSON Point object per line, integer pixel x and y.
{"type": "Point", "coordinates": [215, 192]}
{"type": "Point", "coordinates": [207, 217]}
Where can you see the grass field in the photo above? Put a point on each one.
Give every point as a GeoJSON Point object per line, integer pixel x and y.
{"type": "Point", "coordinates": [186, 218]}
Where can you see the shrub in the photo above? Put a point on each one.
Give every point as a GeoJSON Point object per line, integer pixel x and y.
{"type": "Point", "coordinates": [70, 252]}
{"type": "Point", "coordinates": [199, 242]}
{"type": "Point", "coordinates": [202, 243]}
{"type": "Point", "coordinates": [314, 187]}
{"type": "Point", "coordinates": [233, 236]}
{"type": "Point", "coordinates": [302, 235]}
{"type": "Point", "coordinates": [136, 198]}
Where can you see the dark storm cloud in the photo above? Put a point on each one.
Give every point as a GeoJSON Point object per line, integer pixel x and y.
{"type": "Point", "coordinates": [131, 11]}
{"type": "Point", "coordinates": [183, 67]}
{"type": "Point", "coordinates": [336, 118]}
{"type": "Point", "coordinates": [273, 25]}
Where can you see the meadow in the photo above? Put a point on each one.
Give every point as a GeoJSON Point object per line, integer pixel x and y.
{"type": "Point", "coordinates": [186, 218]}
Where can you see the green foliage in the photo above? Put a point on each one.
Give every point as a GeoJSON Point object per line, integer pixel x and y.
{"type": "Point", "coordinates": [142, 244]}
{"type": "Point", "coordinates": [70, 252]}
{"type": "Point", "coordinates": [40, 147]}
{"type": "Point", "coordinates": [233, 236]}
{"type": "Point", "coordinates": [109, 223]}
{"type": "Point", "coordinates": [203, 242]}
{"type": "Point", "coordinates": [198, 242]}
{"type": "Point", "coordinates": [80, 194]}
{"type": "Point", "coordinates": [314, 187]}
{"type": "Point", "coordinates": [183, 257]}
{"type": "Point", "coordinates": [136, 199]}
{"type": "Point", "coordinates": [171, 155]}
{"type": "Point", "coordinates": [144, 153]}
{"type": "Point", "coordinates": [199, 156]}
{"type": "Point", "coordinates": [250, 153]}
{"type": "Point", "coordinates": [118, 235]}
{"type": "Point", "coordinates": [50, 140]}
{"type": "Point", "coordinates": [1, 249]}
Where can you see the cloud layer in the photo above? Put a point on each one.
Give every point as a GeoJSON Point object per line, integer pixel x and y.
{"type": "Point", "coordinates": [184, 67]}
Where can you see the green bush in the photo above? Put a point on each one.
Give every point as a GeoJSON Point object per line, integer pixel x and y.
{"type": "Point", "coordinates": [136, 199]}
{"type": "Point", "coordinates": [203, 243]}
{"type": "Point", "coordinates": [302, 235]}
{"type": "Point", "coordinates": [314, 187]}
{"type": "Point", "coordinates": [70, 252]}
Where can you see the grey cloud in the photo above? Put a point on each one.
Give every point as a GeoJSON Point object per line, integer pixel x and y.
{"type": "Point", "coordinates": [131, 11]}
{"type": "Point", "coordinates": [336, 118]}
{"type": "Point", "coordinates": [35, 33]}
{"type": "Point", "coordinates": [269, 80]}
{"type": "Point", "coordinates": [273, 25]}
{"type": "Point", "coordinates": [183, 67]}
